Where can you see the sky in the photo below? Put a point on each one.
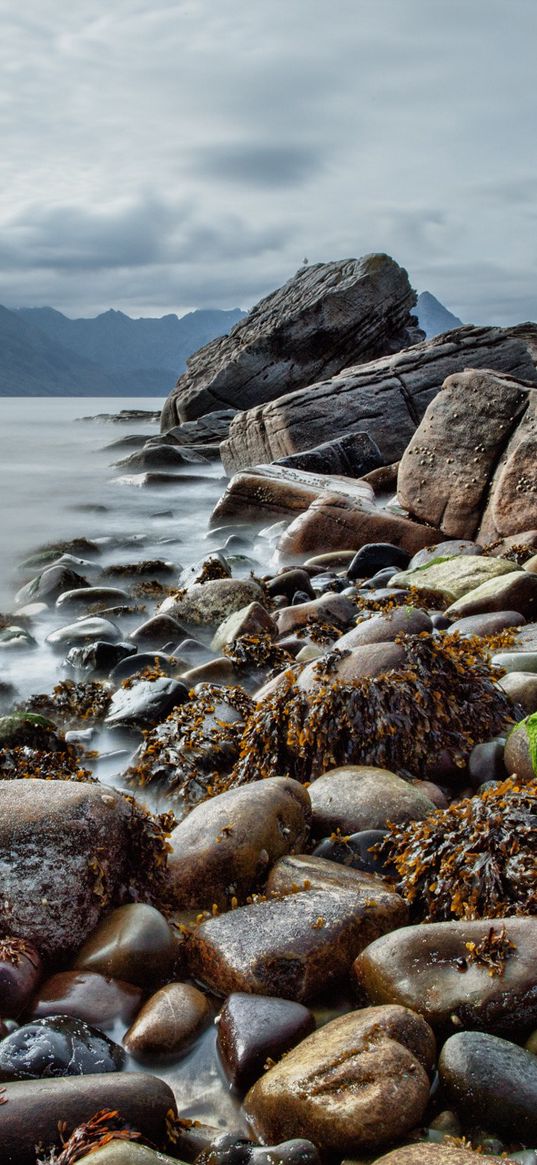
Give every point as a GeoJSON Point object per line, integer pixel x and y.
{"type": "Point", "coordinates": [162, 156]}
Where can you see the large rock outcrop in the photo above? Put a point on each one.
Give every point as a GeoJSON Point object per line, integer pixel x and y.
{"type": "Point", "coordinates": [386, 397]}
{"type": "Point", "coordinates": [471, 467]}
{"type": "Point", "coordinates": [326, 317]}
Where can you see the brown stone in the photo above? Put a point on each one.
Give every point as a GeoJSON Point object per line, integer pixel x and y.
{"type": "Point", "coordinates": [370, 660]}
{"type": "Point", "coordinates": [168, 1021]}
{"type": "Point", "coordinates": [88, 996]}
{"type": "Point", "coordinates": [224, 847]}
{"type": "Point", "coordinates": [330, 608]}
{"type": "Point", "coordinates": [516, 591]}
{"type": "Point", "coordinates": [432, 970]}
{"type": "Point", "coordinates": [250, 620]}
{"type": "Point", "coordinates": [134, 943]}
{"type": "Point", "coordinates": [359, 1082]}
{"type": "Point", "coordinates": [209, 603]}
{"type": "Point", "coordinates": [519, 752]}
{"type": "Point", "coordinates": [267, 492]}
{"type": "Point", "coordinates": [424, 1153]}
{"type": "Point", "coordinates": [385, 627]}
{"type": "Point", "coordinates": [253, 1029]}
{"type": "Point", "coordinates": [308, 872]}
{"type": "Point", "coordinates": [522, 689]}
{"type": "Point", "coordinates": [295, 946]}
{"type": "Point", "coordinates": [335, 523]}
{"type": "Point", "coordinates": [356, 797]}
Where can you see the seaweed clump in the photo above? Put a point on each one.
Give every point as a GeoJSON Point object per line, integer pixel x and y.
{"type": "Point", "coordinates": [257, 651]}
{"type": "Point", "coordinates": [103, 1128]}
{"type": "Point", "coordinates": [190, 754]}
{"type": "Point", "coordinates": [444, 698]}
{"type": "Point", "coordinates": [73, 704]}
{"type": "Point", "coordinates": [476, 859]}
{"type": "Point", "coordinates": [22, 763]}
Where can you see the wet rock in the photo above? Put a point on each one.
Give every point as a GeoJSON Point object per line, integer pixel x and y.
{"type": "Point", "coordinates": [58, 1046]}
{"type": "Point", "coordinates": [86, 995]}
{"type": "Point", "coordinates": [516, 591]}
{"type": "Point", "coordinates": [206, 569]}
{"type": "Point", "coordinates": [385, 627]}
{"type": "Point", "coordinates": [134, 943]}
{"type": "Point", "coordinates": [424, 1153]}
{"type": "Point", "coordinates": [354, 850]}
{"type": "Point", "coordinates": [374, 557]}
{"type": "Point", "coordinates": [225, 847]}
{"type": "Point", "coordinates": [32, 1109]}
{"type": "Point", "coordinates": [455, 577]}
{"type": "Point", "coordinates": [356, 797]}
{"type": "Point", "coordinates": [131, 1153]}
{"type": "Point", "coordinates": [156, 632]}
{"type": "Point", "coordinates": [334, 522]}
{"type": "Point", "coordinates": [89, 597]}
{"type": "Point", "coordinates": [453, 548]}
{"type": "Point", "coordinates": [520, 753]}
{"type": "Point", "coordinates": [15, 638]}
{"type": "Point", "coordinates": [457, 974]}
{"type": "Point", "coordinates": [215, 671]}
{"type": "Point", "coordinates": [30, 730]}
{"type": "Point", "coordinates": [491, 1081]}
{"type": "Point", "coordinates": [522, 689]}
{"type": "Point", "coordinates": [295, 946]}
{"type": "Point", "coordinates": [329, 608]}
{"type": "Point", "coordinates": [209, 603]}
{"type": "Point", "coordinates": [82, 632]}
{"type": "Point", "coordinates": [271, 491]}
{"type": "Point", "coordinates": [146, 703]}
{"type": "Point", "coordinates": [67, 851]}
{"type": "Point", "coordinates": [48, 585]}
{"type": "Point", "coordinates": [99, 658]}
{"type": "Point", "coordinates": [311, 872]}
{"type": "Point", "coordinates": [323, 318]}
{"type": "Point", "coordinates": [168, 1022]}
{"type": "Point", "coordinates": [351, 455]}
{"type": "Point", "coordinates": [486, 763]}
{"type": "Point", "coordinates": [358, 1083]}
{"type": "Point", "coordinates": [516, 661]}
{"type": "Point", "coordinates": [137, 662]}
{"type": "Point", "coordinates": [489, 624]}
{"type": "Point", "coordinates": [250, 620]}
{"type": "Point", "coordinates": [20, 972]}
{"type": "Point", "coordinates": [255, 1029]}
{"type": "Point", "coordinates": [161, 457]}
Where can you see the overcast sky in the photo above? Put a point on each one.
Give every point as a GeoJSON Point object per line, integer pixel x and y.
{"type": "Point", "coordinates": [161, 156]}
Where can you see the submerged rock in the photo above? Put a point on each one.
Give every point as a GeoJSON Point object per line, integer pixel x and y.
{"type": "Point", "coordinates": [57, 1046]}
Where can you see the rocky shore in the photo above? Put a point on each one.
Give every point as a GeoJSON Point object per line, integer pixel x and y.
{"type": "Point", "coordinates": [267, 847]}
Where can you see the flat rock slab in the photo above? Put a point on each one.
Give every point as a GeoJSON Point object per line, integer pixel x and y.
{"type": "Point", "coordinates": [447, 972]}
{"type": "Point", "coordinates": [322, 319]}
{"type": "Point", "coordinates": [271, 491]}
{"type": "Point", "coordinates": [359, 1082]}
{"type": "Point", "coordinates": [293, 947]}
{"type": "Point", "coordinates": [387, 397]}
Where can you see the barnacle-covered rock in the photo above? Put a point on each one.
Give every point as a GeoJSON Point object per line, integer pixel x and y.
{"type": "Point", "coordinates": [476, 859]}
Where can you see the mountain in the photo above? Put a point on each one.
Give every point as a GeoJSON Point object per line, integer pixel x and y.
{"type": "Point", "coordinates": [43, 353]}
{"type": "Point", "coordinates": [434, 318]}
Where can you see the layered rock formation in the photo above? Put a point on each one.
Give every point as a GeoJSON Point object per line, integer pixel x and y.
{"type": "Point", "coordinates": [386, 397]}
{"type": "Point", "coordinates": [326, 317]}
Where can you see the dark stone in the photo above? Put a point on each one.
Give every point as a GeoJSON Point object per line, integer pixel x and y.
{"type": "Point", "coordinates": [354, 850]}
{"type": "Point", "coordinates": [351, 455]}
{"type": "Point", "coordinates": [489, 624]}
{"type": "Point", "coordinates": [492, 1081]}
{"type": "Point", "coordinates": [289, 583]}
{"type": "Point", "coordinates": [486, 763]}
{"type": "Point", "coordinates": [254, 1028]}
{"type": "Point", "coordinates": [156, 632]}
{"type": "Point", "coordinates": [99, 658]}
{"type": "Point", "coordinates": [88, 996]}
{"type": "Point", "coordinates": [20, 972]}
{"type": "Point", "coordinates": [90, 597]}
{"type": "Point", "coordinates": [57, 1046]}
{"type": "Point", "coordinates": [138, 662]}
{"type": "Point", "coordinates": [374, 557]}
{"type": "Point", "coordinates": [134, 943]}
{"type": "Point", "coordinates": [146, 703]}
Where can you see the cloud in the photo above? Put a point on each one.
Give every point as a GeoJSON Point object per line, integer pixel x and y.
{"type": "Point", "coordinates": [167, 155]}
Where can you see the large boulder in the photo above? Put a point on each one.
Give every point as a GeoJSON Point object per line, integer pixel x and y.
{"type": "Point", "coordinates": [387, 397]}
{"type": "Point", "coordinates": [68, 851]}
{"type": "Point", "coordinates": [335, 522]}
{"type": "Point", "coordinates": [470, 467]}
{"type": "Point", "coordinates": [267, 492]}
{"type": "Point", "coordinates": [321, 320]}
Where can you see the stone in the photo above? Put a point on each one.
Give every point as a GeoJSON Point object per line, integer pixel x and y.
{"type": "Point", "coordinates": [522, 689]}
{"type": "Point", "coordinates": [489, 624]}
{"type": "Point", "coordinates": [48, 585]}
{"type": "Point", "coordinates": [90, 597]}
{"type": "Point", "coordinates": [358, 1083]}
{"type": "Point", "coordinates": [329, 608]}
{"type": "Point", "coordinates": [486, 762]}
{"type": "Point", "coordinates": [20, 972]}
{"type": "Point", "coordinates": [374, 556]}
{"type": "Point", "coordinates": [355, 850]}
{"type": "Point", "coordinates": [356, 797]}
{"type": "Point", "coordinates": [224, 848]}
{"type": "Point", "coordinates": [455, 577]}
{"type": "Point", "coordinates": [146, 703]}
{"type": "Point", "coordinates": [322, 319]}
{"type": "Point", "coordinates": [213, 566]}
{"type": "Point", "coordinates": [134, 943]}
{"type": "Point", "coordinates": [137, 662]}
{"type": "Point", "coordinates": [156, 632]}
{"type": "Point", "coordinates": [67, 852]}
{"type": "Point", "coordinates": [515, 661]}
{"type": "Point", "coordinates": [447, 470]}
{"type": "Point", "coordinates": [32, 1109]}
{"type": "Point", "coordinates": [133, 1153]}
{"type": "Point", "coordinates": [333, 522]}
{"type": "Point", "coordinates": [86, 995]}
{"type": "Point", "coordinates": [446, 971]}
{"type": "Point", "coordinates": [253, 1029]}
{"type": "Point", "coordinates": [386, 396]}
{"type": "Point", "coordinates": [82, 632]}
{"type": "Point", "coordinates": [289, 582]}
{"type": "Point", "coordinates": [161, 457]}
{"type": "Point", "coordinates": [295, 946]}
{"type": "Point", "coordinates": [491, 1081]}
{"type": "Point", "coordinates": [15, 638]}
{"type": "Point", "coordinates": [423, 1153]}
{"type": "Point", "coordinates": [310, 872]}
{"type": "Point", "coordinates": [453, 548]}
{"type": "Point", "coordinates": [30, 730]}
{"type": "Point", "coordinates": [351, 455]}
{"type": "Point", "coordinates": [168, 1022]}
{"type": "Point", "coordinates": [99, 658]}
{"type": "Point", "coordinates": [251, 620]}
{"type": "Point", "coordinates": [57, 1046]}
{"type": "Point", "coordinates": [514, 591]}
{"type": "Point", "coordinates": [271, 491]}
{"type": "Point", "coordinates": [209, 603]}
{"type": "Point", "coordinates": [385, 627]}
{"type": "Point", "coordinates": [214, 671]}
{"type": "Point", "coordinates": [520, 753]}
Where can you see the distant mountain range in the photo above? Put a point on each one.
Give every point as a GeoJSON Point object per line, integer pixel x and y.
{"type": "Point", "coordinates": [434, 318]}
{"type": "Point", "coordinates": [44, 353]}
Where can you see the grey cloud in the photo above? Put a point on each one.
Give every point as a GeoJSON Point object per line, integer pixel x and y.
{"type": "Point", "coordinates": [258, 165]}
